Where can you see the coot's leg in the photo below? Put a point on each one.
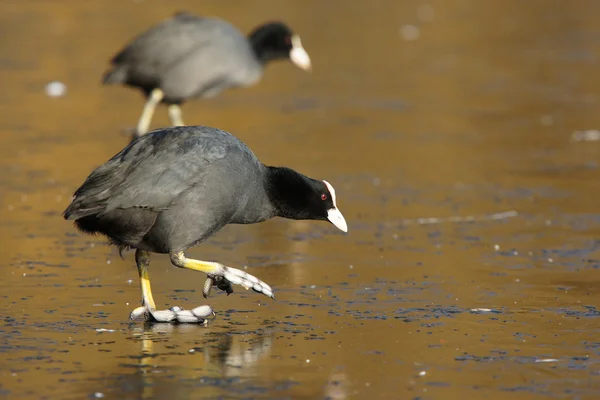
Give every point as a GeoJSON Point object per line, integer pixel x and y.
{"type": "Point", "coordinates": [221, 275]}
{"type": "Point", "coordinates": [153, 100]}
{"type": "Point", "coordinates": [142, 259]}
{"type": "Point", "coordinates": [148, 308]}
{"type": "Point", "coordinates": [175, 115]}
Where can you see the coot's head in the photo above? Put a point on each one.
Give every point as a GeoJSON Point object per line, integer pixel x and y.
{"type": "Point", "coordinates": [296, 196]}
{"type": "Point", "coordinates": [275, 41]}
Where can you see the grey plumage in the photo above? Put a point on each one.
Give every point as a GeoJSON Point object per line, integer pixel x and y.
{"type": "Point", "coordinates": [187, 56]}
{"type": "Point", "coordinates": [166, 190]}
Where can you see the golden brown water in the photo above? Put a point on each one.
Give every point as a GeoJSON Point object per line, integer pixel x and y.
{"type": "Point", "coordinates": [470, 123]}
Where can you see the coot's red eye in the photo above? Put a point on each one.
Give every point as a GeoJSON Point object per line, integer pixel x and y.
{"type": "Point", "coordinates": [323, 197]}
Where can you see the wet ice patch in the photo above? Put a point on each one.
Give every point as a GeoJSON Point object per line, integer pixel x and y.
{"type": "Point", "coordinates": [467, 218]}
{"type": "Point", "coordinates": [410, 32]}
{"type": "Point", "coordinates": [56, 89]}
{"type": "Point", "coordinates": [482, 310]}
{"type": "Point", "coordinates": [589, 135]}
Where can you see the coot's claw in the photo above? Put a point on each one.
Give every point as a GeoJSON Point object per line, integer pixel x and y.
{"type": "Point", "coordinates": [198, 315]}
{"type": "Point", "coordinates": [228, 276]}
{"type": "Point", "coordinates": [208, 286]}
{"type": "Point", "coordinates": [138, 312]}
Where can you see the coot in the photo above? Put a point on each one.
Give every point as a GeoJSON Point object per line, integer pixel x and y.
{"type": "Point", "coordinates": [173, 188]}
{"type": "Point", "coordinates": [187, 56]}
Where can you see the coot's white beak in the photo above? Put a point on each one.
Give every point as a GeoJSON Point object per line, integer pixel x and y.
{"type": "Point", "coordinates": [333, 214]}
{"type": "Point", "coordinates": [335, 217]}
{"type": "Point", "coordinates": [298, 55]}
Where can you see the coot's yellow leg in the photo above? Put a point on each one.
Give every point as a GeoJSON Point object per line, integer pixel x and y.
{"type": "Point", "coordinates": [153, 100]}
{"type": "Point", "coordinates": [221, 275]}
{"type": "Point", "coordinates": [142, 259]}
{"type": "Point", "coordinates": [175, 115]}
{"type": "Point", "coordinates": [148, 308]}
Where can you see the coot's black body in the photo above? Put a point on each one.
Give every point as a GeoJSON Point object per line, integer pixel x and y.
{"type": "Point", "coordinates": [169, 190]}
{"type": "Point", "coordinates": [173, 188]}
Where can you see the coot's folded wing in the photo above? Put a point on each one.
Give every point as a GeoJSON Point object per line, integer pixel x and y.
{"type": "Point", "coordinates": [152, 171]}
{"type": "Point", "coordinates": [155, 51]}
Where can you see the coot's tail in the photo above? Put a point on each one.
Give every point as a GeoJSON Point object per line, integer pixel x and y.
{"type": "Point", "coordinates": [79, 209]}
{"type": "Point", "coordinates": [91, 197]}
{"type": "Point", "coordinates": [116, 75]}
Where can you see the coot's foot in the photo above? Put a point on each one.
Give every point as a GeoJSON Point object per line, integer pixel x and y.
{"type": "Point", "coordinates": [226, 276]}
{"type": "Point", "coordinates": [221, 275]}
{"type": "Point", "coordinates": [198, 315]}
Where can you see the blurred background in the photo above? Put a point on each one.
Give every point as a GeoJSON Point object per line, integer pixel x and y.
{"type": "Point", "coordinates": [462, 139]}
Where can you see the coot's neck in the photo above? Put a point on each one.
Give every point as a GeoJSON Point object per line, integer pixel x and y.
{"type": "Point", "coordinates": [287, 191]}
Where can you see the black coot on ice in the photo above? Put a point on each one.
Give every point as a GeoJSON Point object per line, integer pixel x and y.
{"type": "Point", "coordinates": [173, 188]}
{"type": "Point", "coordinates": [187, 56]}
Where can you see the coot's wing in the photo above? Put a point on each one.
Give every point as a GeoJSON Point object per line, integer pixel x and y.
{"type": "Point", "coordinates": [226, 60]}
{"type": "Point", "coordinates": [153, 171]}
{"type": "Point", "coordinates": [155, 51]}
